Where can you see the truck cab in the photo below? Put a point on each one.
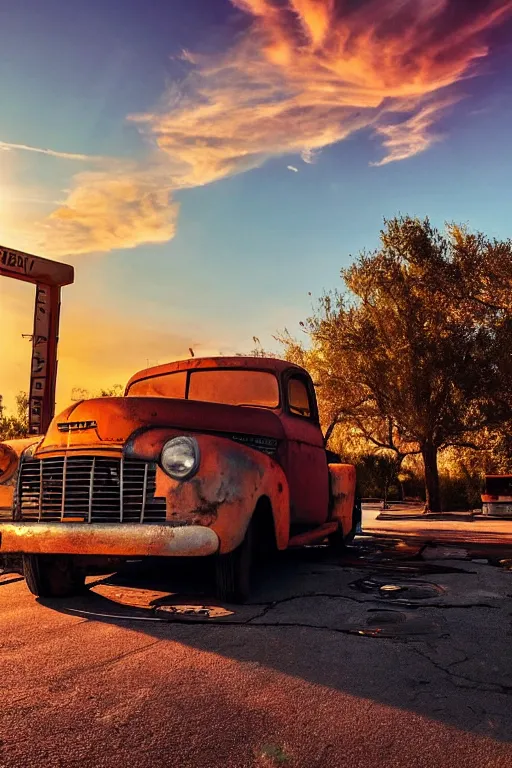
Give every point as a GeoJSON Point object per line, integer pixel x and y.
{"type": "Point", "coordinates": [220, 457]}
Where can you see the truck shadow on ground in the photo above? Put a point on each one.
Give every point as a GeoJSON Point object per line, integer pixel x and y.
{"type": "Point", "coordinates": [378, 623]}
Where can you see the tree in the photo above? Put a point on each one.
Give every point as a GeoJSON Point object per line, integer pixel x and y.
{"type": "Point", "coordinates": [79, 393]}
{"type": "Point", "coordinates": [15, 426]}
{"type": "Point", "coordinates": [352, 422]}
{"type": "Point", "coordinates": [376, 473]}
{"type": "Point", "coordinates": [116, 390]}
{"type": "Point", "coordinates": [411, 352]}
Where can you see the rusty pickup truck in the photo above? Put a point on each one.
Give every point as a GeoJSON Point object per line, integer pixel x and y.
{"type": "Point", "coordinates": [221, 457]}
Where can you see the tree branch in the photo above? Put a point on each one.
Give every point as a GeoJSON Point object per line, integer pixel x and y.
{"type": "Point", "coordinates": [462, 444]}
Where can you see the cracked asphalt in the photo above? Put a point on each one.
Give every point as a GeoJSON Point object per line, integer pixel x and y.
{"type": "Point", "coordinates": [396, 655]}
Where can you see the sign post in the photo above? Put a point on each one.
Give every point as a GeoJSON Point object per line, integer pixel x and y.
{"type": "Point", "coordinates": [48, 277]}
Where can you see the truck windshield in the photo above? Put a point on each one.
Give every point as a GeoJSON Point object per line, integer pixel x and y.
{"type": "Point", "coordinates": [232, 387]}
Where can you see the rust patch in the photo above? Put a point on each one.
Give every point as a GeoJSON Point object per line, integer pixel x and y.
{"type": "Point", "coordinates": [207, 511]}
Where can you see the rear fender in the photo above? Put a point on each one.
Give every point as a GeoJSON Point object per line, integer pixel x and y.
{"type": "Point", "coordinates": [343, 491]}
{"type": "Point", "coordinates": [225, 490]}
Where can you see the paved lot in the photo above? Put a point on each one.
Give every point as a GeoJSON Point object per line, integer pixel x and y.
{"type": "Point", "coordinates": [325, 667]}
{"type": "Point", "coordinates": [477, 530]}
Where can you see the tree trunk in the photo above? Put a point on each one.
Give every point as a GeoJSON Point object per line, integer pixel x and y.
{"type": "Point", "coordinates": [432, 491]}
{"type": "Point", "coordinates": [330, 429]}
{"type": "Point", "coordinates": [398, 464]}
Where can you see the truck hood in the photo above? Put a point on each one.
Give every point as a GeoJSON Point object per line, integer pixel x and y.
{"type": "Point", "coordinates": [111, 420]}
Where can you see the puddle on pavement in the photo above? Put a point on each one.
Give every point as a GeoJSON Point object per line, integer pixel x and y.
{"type": "Point", "coordinates": [418, 568]}
{"type": "Point", "coordinates": [383, 549]}
{"type": "Point", "coordinates": [394, 556]}
{"type": "Point", "coordinates": [192, 612]}
{"type": "Point", "coordinates": [440, 552]}
{"type": "Point", "coordinates": [397, 589]}
{"type": "Point", "coordinates": [396, 624]}
{"type": "Point", "coordinates": [139, 604]}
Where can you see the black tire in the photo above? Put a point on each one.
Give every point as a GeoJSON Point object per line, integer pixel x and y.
{"type": "Point", "coordinates": [233, 571]}
{"type": "Point", "coordinates": [338, 543]}
{"type": "Point", "coordinates": [52, 575]}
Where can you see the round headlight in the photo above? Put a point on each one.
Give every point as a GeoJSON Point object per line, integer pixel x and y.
{"type": "Point", "coordinates": [180, 457]}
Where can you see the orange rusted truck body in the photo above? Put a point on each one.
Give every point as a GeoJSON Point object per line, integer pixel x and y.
{"type": "Point", "coordinates": [102, 481]}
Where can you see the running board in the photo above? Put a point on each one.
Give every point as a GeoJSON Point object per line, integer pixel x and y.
{"type": "Point", "coordinates": [314, 536]}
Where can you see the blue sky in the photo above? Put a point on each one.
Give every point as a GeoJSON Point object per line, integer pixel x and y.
{"type": "Point", "coordinates": [230, 240]}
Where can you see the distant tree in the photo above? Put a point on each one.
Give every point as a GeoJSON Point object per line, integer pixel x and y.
{"type": "Point", "coordinates": [376, 474]}
{"type": "Point", "coordinates": [15, 425]}
{"type": "Point", "coordinates": [416, 352]}
{"type": "Point", "coordinates": [257, 350]}
{"type": "Point", "coordinates": [80, 393]}
{"type": "Point", "coordinates": [116, 390]}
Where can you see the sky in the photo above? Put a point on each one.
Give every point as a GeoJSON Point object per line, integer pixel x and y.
{"type": "Point", "coordinates": [209, 166]}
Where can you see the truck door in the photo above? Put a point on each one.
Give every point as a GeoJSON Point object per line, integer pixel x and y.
{"type": "Point", "coordinates": [304, 458]}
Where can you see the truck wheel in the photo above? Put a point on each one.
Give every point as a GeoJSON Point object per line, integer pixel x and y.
{"type": "Point", "coordinates": [233, 571]}
{"type": "Point", "coordinates": [338, 543]}
{"type": "Point", "coordinates": [52, 575]}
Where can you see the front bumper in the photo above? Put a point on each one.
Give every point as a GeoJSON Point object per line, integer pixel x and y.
{"type": "Point", "coordinates": [110, 540]}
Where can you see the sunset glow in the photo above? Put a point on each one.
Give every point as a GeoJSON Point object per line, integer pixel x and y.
{"type": "Point", "coordinates": [364, 97]}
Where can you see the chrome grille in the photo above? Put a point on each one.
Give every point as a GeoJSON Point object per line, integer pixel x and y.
{"type": "Point", "coordinates": [92, 489]}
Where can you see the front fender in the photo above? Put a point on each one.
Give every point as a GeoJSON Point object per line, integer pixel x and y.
{"type": "Point", "coordinates": [225, 490]}
{"type": "Point", "coordinates": [10, 454]}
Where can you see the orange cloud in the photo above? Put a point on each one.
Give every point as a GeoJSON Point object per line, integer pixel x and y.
{"type": "Point", "coordinates": [308, 73]}
{"type": "Point", "coordinates": [305, 75]}
{"type": "Point", "coordinates": [119, 207]}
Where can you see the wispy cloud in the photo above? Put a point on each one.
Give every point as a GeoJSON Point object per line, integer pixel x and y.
{"type": "Point", "coordinates": [309, 73]}
{"type": "Point", "coordinates": [305, 75]}
{"type": "Point", "coordinates": [413, 135]}
{"type": "Point", "coordinates": [309, 156]}
{"type": "Point", "coordinates": [8, 146]}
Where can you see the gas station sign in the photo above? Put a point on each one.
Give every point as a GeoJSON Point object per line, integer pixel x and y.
{"type": "Point", "coordinates": [48, 276]}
